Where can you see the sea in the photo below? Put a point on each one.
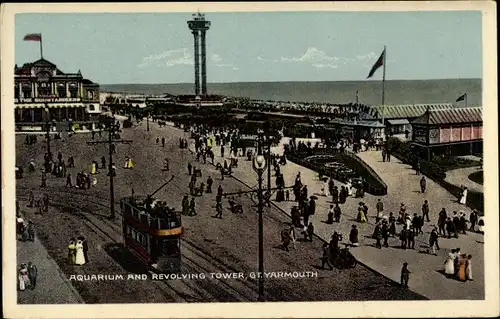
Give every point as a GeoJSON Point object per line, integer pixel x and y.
{"type": "Point", "coordinates": [397, 92]}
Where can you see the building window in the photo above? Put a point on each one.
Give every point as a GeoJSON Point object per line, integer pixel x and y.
{"type": "Point", "coordinates": [61, 90]}
{"type": "Point", "coordinates": [27, 90]}
{"type": "Point", "coordinates": [73, 90]}
{"type": "Point", "coordinates": [90, 95]}
{"type": "Point", "coordinates": [44, 89]}
{"type": "Point", "coordinates": [16, 91]}
{"type": "Point", "coordinates": [141, 239]}
{"type": "Point", "coordinates": [91, 107]}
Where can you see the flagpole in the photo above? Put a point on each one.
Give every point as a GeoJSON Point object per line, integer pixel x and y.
{"type": "Point", "coordinates": [41, 47]}
{"type": "Point", "coordinates": [383, 86]}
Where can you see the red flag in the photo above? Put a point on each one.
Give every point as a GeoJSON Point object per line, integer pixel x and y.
{"type": "Point", "coordinates": [33, 37]}
{"type": "Point", "coordinates": [377, 64]}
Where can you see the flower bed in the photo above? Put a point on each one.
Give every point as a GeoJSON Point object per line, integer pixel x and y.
{"type": "Point", "coordinates": [350, 166]}
{"type": "Point", "coordinates": [477, 177]}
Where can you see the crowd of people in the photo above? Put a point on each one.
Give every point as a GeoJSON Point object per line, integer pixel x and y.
{"type": "Point", "coordinates": [458, 265]}
{"type": "Point", "coordinates": [27, 273]}
{"type": "Point", "coordinates": [404, 227]}
{"type": "Point", "coordinates": [27, 276]}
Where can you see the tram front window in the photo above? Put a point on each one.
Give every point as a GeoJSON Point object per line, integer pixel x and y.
{"type": "Point", "coordinates": [169, 246]}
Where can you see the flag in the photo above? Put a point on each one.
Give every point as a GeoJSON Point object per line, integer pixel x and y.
{"type": "Point", "coordinates": [377, 64]}
{"type": "Point", "coordinates": [33, 37]}
{"type": "Point", "coordinates": [461, 97]}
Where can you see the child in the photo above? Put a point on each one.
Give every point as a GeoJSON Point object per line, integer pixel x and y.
{"type": "Point", "coordinates": [405, 275]}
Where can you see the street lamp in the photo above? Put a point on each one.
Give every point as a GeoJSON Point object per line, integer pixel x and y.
{"type": "Point", "coordinates": [259, 165]}
{"type": "Point", "coordinates": [47, 124]}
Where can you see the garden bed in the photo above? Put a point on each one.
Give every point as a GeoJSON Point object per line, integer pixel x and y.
{"type": "Point", "coordinates": [350, 167]}
{"type": "Point", "coordinates": [477, 177]}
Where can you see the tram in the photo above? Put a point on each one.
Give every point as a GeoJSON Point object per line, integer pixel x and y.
{"type": "Point", "coordinates": [152, 232]}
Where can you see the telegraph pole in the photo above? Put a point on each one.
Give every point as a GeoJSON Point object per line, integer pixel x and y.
{"type": "Point", "coordinates": [47, 124]}
{"type": "Point", "coordinates": [261, 231]}
{"type": "Point", "coordinates": [268, 137]}
{"type": "Point", "coordinates": [112, 130]}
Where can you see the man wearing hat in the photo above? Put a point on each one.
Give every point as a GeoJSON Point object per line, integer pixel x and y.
{"type": "Point", "coordinates": [433, 240]}
{"type": "Point", "coordinates": [473, 220]}
{"type": "Point", "coordinates": [44, 179]}
{"type": "Point", "coordinates": [405, 275]}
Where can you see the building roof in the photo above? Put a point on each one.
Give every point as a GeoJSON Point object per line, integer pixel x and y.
{"type": "Point", "coordinates": [398, 122]}
{"type": "Point", "coordinates": [26, 68]}
{"type": "Point", "coordinates": [409, 110]}
{"type": "Point", "coordinates": [458, 115]}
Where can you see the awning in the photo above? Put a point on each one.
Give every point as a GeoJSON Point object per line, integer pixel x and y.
{"type": "Point", "coordinates": [64, 105]}
{"type": "Point", "coordinates": [29, 106]}
{"type": "Point", "coordinates": [398, 122]}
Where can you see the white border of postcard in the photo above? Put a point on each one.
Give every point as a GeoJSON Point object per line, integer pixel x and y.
{"type": "Point", "coordinates": [482, 308]}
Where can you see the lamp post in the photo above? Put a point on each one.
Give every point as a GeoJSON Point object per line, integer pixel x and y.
{"type": "Point", "coordinates": [147, 122]}
{"type": "Point", "coordinates": [269, 161]}
{"type": "Point", "coordinates": [259, 166]}
{"type": "Point", "coordinates": [47, 124]}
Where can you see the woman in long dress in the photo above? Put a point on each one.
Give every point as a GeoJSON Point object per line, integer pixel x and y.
{"type": "Point", "coordinates": [449, 267]}
{"type": "Point", "coordinates": [24, 280]}
{"type": "Point", "coordinates": [349, 188]}
{"type": "Point", "coordinates": [480, 224]}
{"type": "Point", "coordinates": [80, 257]}
{"type": "Point", "coordinates": [468, 268]}
{"type": "Point", "coordinates": [463, 198]}
{"type": "Point", "coordinates": [361, 218]}
{"type": "Point", "coordinates": [71, 252]}
{"type": "Point", "coordinates": [94, 168]}
{"type": "Point", "coordinates": [325, 187]}
{"type": "Point", "coordinates": [461, 268]}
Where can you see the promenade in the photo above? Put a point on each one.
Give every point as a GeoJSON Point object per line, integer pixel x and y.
{"type": "Point", "coordinates": [52, 286]}
{"type": "Point", "coordinates": [426, 278]}
{"type": "Point", "coordinates": [460, 176]}
{"type": "Point", "coordinates": [209, 245]}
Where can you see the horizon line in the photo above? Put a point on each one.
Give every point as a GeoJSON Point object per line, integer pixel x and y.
{"type": "Point", "coordinates": [293, 81]}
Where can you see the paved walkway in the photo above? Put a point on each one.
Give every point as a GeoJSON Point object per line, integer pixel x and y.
{"type": "Point", "coordinates": [403, 185]}
{"type": "Point", "coordinates": [460, 176]}
{"type": "Point", "coordinates": [52, 286]}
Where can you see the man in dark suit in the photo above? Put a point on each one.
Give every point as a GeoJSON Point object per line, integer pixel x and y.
{"type": "Point", "coordinates": [32, 274]}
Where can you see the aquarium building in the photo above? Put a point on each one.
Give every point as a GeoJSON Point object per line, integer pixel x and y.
{"type": "Point", "coordinates": [44, 95]}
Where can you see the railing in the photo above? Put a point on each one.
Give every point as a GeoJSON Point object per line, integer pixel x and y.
{"type": "Point", "coordinates": [369, 169]}
{"type": "Point", "coordinates": [171, 220]}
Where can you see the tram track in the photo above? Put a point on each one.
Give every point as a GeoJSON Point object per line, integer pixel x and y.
{"type": "Point", "coordinates": [196, 260]}
{"type": "Point", "coordinates": [114, 239]}
{"type": "Point", "coordinates": [112, 232]}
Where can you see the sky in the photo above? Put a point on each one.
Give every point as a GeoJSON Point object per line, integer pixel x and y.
{"type": "Point", "coordinates": [123, 48]}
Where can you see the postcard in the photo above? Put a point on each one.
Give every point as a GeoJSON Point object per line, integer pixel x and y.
{"type": "Point", "coordinates": [292, 159]}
